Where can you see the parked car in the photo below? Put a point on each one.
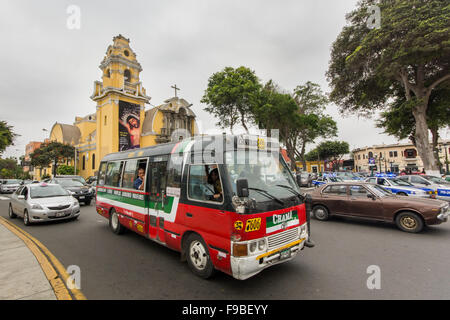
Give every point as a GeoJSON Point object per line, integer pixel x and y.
{"type": "Point", "coordinates": [91, 180]}
{"type": "Point", "coordinates": [304, 179]}
{"type": "Point", "coordinates": [79, 178]}
{"type": "Point", "coordinates": [81, 191]}
{"type": "Point", "coordinates": [9, 185]}
{"type": "Point", "coordinates": [371, 201]}
{"type": "Point", "coordinates": [442, 191]}
{"type": "Point", "coordinates": [43, 202]}
{"type": "Point", "coordinates": [325, 179]}
{"type": "Point", "coordinates": [400, 187]}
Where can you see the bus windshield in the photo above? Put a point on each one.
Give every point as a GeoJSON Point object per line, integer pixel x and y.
{"type": "Point", "coordinates": [263, 170]}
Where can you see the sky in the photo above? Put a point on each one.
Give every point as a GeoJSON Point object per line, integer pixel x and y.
{"type": "Point", "coordinates": [50, 61]}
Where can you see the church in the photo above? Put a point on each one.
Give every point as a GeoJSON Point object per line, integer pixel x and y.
{"type": "Point", "coordinates": [121, 120]}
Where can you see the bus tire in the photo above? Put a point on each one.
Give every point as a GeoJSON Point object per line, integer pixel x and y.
{"type": "Point", "coordinates": [402, 194]}
{"type": "Point", "coordinates": [114, 223]}
{"type": "Point", "coordinates": [197, 255]}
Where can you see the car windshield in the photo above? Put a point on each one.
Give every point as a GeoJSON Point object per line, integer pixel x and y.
{"type": "Point", "coordinates": [399, 182]}
{"type": "Point", "coordinates": [263, 170]}
{"type": "Point", "coordinates": [12, 182]}
{"type": "Point", "coordinates": [47, 191]}
{"type": "Point", "coordinates": [335, 179]}
{"type": "Point", "coordinates": [379, 191]}
{"type": "Point", "coordinates": [67, 183]}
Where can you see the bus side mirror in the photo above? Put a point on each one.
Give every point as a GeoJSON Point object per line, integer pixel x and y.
{"type": "Point", "coordinates": [242, 188]}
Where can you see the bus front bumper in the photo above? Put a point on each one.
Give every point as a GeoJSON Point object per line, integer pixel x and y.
{"type": "Point", "coordinates": [246, 267]}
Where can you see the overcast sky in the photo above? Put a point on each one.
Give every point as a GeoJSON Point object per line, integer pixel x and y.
{"type": "Point", "coordinates": [48, 70]}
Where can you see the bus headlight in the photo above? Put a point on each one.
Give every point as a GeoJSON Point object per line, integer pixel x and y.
{"type": "Point", "coordinates": [303, 229]}
{"type": "Point", "coordinates": [252, 246]}
{"type": "Point", "coordinates": [262, 245]}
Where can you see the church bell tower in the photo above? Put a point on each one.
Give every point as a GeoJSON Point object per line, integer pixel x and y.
{"type": "Point", "coordinates": [120, 99]}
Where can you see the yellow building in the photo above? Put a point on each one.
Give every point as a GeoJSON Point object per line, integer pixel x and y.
{"type": "Point", "coordinates": [312, 166]}
{"type": "Point", "coordinates": [121, 121]}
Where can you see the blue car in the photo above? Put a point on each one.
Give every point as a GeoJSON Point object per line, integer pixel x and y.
{"type": "Point", "coordinates": [400, 187]}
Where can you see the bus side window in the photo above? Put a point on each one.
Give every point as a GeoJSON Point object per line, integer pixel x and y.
{"type": "Point", "coordinates": [129, 174]}
{"type": "Point", "coordinates": [114, 173]}
{"type": "Point", "coordinates": [174, 169]}
{"type": "Point", "coordinates": [102, 174]}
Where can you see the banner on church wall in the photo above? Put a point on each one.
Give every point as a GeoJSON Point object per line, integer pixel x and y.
{"type": "Point", "coordinates": [129, 125]}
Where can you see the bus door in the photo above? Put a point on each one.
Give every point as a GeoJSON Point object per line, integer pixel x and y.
{"type": "Point", "coordinates": [157, 188]}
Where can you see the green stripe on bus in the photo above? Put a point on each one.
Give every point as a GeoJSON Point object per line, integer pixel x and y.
{"type": "Point", "coordinates": [140, 203]}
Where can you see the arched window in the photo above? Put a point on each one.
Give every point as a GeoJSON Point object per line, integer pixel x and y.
{"type": "Point", "coordinates": [107, 73]}
{"type": "Point", "coordinates": [104, 121]}
{"type": "Point", "coordinates": [84, 162]}
{"type": "Point", "coordinates": [127, 75]}
{"type": "Point", "coordinates": [93, 161]}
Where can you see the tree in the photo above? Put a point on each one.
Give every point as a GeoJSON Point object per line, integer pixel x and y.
{"type": "Point", "coordinates": [409, 55]}
{"type": "Point", "coordinates": [333, 151]}
{"type": "Point", "coordinates": [311, 104]}
{"type": "Point", "coordinates": [9, 169]}
{"type": "Point", "coordinates": [277, 110]}
{"type": "Point", "coordinates": [65, 170]}
{"type": "Point", "coordinates": [6, 135]}
{"type": "Point", "coordinates": [52, 153]}
{"type": "Point", "coordinates": [231, 95]}
{"type": "Point", "coordinates": [398, 120]}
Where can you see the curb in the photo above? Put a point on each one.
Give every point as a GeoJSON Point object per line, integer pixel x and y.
{"type": "Point", "coordinates": [55, 272]}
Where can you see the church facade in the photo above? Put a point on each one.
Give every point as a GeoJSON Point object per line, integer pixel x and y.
{"type": "Point", "coordinates": [121, 120]}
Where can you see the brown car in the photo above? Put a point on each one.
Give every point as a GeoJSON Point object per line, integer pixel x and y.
{"type": "Point", "coordinates": [371, 201]}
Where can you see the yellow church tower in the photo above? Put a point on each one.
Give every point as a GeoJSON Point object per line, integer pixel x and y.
{"type": "Point", "coordinates": [120, 99]}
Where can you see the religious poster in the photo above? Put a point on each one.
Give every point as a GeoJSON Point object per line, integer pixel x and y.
{"type": "Point", "coordinates": [129, 126]}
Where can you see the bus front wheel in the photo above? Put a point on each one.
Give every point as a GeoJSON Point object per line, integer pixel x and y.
{"type": "Point", "coordinates": [198, 258]}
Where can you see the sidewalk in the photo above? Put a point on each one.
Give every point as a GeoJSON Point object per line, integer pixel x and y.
{"type": "Point", "coordinates": [21, 276]}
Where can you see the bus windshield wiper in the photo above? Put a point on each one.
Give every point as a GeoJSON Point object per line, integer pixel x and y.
{"type": "Point", "coordinates": [292, 190]}
{"type": "Point", "coordinates": [267, 194]}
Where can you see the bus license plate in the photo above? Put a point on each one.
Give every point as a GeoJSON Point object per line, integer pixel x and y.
{"type": "Point", "coordinates": [285, 254]}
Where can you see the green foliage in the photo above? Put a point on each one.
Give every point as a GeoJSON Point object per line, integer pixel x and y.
{"type": "Point", "coordinates": [6, 136]}
{"type": "Point", "coordinates": [65, 170]}
{"type": "Point", "coordinates": [231, 95]}
{"type": "Point", "coordinates": [9, 169]}
{"type": "Point", "coordinates": [52, 153]}
{"type": "Point", "coordinates": [407, 58]}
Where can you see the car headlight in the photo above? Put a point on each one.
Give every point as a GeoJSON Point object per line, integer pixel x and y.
{"type": "Point", "coordinates": [36, 207]}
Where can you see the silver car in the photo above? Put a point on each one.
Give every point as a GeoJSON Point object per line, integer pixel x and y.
{"type": "Point", "coordinates": [429, 183]}
{"type": "Point", "coordinates": [9, 185]}
{"type": "Point", "coordinates": [43, 202]}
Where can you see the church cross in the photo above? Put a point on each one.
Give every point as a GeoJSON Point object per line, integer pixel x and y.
{"type": "Point", "coordinates": [175, 87]}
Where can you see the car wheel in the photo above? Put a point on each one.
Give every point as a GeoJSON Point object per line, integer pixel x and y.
{"type": "Point", "coordinates": [114, 223]}
{"type": "Point", "coordinates": [402, 194]}
{"type": "Point", "coordinates": [11, 213]}
{"type": "Point", "coordinates": [321, 213]}
{"type": "Point", "coordinates": [198, 257]}
{"type": "Point", "coordinates": [409, 222]}
{"type": "Point", "coordinates": [26, 218]}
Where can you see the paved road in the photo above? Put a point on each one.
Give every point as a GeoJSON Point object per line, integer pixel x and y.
{"type": "Point", "coordinates": [413, 266]}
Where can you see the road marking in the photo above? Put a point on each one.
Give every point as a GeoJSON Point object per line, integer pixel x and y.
{"type": "Point", "coordinates": [4, 198]}
{"type": "Point", "coordinates": [53, 269]}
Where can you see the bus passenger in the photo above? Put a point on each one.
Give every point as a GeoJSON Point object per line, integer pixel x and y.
{"type": "Point", "coordinates": [139, 182]}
